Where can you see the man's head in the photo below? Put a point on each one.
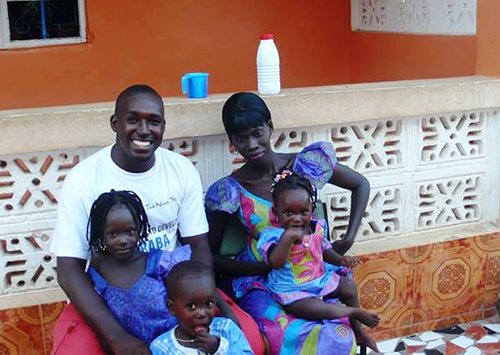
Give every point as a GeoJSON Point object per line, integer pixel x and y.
{"type": "Point", "coordinates": [139, 124]}
{"type": "Point", "coordinates": [191, 296]}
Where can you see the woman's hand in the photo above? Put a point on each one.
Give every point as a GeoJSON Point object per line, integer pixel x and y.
{"type": "Point", "coordinates": [350, 262]}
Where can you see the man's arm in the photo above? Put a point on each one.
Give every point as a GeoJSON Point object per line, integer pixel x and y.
{"type": "Point", "coordinates": [193, 225]}
{"type": "Point", "coordinates": [80, 290]}
{"type": "Point", "coordinates": [200, 249]}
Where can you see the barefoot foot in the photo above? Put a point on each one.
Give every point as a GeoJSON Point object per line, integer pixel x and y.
{"type": "Point", "coordinates": [369, 319]}
{"type": "Point", "coordinates": [362, 338]}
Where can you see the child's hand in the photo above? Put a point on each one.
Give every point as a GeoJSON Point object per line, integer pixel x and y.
{"type": "Point", "coordinates": [349, 261]}
{"type": "Point", "coordinates": [294, 235]}
{"type": "Point", "coordinates": [207, 342]}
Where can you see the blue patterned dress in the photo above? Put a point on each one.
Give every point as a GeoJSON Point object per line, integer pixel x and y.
{"type": "Point", "coordinates": [304, 274]}
{"type": "Point", "coordinates": [142, 309]}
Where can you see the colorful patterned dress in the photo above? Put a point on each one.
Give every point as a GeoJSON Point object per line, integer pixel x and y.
{"type": "Point", "coordinates": [284, 333]}
{"type": "Point", "coordinates": [304, 274]}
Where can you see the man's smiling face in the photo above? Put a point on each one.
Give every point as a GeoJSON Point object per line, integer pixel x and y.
{"type": "Point", "coordinates": [139, 125]}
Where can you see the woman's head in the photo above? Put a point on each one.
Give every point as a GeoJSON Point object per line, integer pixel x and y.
{"type": "Point", "coordinates": [244, 110]}
{"type": "Point", "coordinates": [294, 200]}
{"type": "Point", "coordinates": [248, 124]}
{"type": "Point", "coordinates": [117, 224]}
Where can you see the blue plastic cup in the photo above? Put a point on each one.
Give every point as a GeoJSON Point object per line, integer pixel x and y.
{"type": "Point", "coordinates": [195, 85]}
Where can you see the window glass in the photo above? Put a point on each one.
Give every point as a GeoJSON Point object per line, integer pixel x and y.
{"type": "Point", "coordinates": [44, 19]}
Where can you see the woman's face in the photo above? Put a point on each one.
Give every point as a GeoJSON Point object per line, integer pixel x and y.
{"type": "Point", "coordinates": [254, 143]}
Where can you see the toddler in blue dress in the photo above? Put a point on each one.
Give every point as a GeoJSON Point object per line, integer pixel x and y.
{"type": "Point", "coordinates": [302, 278]}
{"type": "Point", "coordinates": [191, 299]}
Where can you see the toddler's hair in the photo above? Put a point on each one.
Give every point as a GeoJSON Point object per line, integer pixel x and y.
{"type": "Point", "coordinates": [183, 270]}
{"type": "Point", "coordinates": [288, 180]}
{"type": "Point", "coordinates": [100, 209]}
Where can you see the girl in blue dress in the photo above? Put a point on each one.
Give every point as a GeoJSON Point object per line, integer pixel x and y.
{"type": "Point", "coordinates": [131, 282]}
{"type": "Point", "coordinates": [303, 276]}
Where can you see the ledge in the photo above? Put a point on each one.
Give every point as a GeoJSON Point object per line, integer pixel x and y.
{"type": "Point", "coordinates": [45, 129]}
{"type": "Point", "coordinates": [423, 238]}
{"type": "Point", "coordinates": [32, 298]}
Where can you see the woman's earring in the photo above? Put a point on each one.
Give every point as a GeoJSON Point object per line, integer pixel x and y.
{"type": "Point", "coordinates": [232, 149]}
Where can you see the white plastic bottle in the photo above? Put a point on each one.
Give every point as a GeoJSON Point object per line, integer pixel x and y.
{"type": "Point", "coordinates": [268, 66]}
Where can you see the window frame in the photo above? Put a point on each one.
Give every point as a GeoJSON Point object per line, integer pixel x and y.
{"type": "Point", "coordinates": [6, 43]}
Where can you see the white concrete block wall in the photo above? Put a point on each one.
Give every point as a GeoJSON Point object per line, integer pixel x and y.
{"type": "Point", "coordinates": [427, 173]}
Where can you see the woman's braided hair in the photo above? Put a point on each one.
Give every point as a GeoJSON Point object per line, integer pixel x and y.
{"type": "Point", "coordinates": [100, 209]}
{"type": "Point", "coordinates": [288, 180]}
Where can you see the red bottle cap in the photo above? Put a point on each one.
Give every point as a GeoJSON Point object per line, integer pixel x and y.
{"type": "Point", "coordinates": [267, 36]}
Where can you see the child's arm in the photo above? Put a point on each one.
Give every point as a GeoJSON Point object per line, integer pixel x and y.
{"type": "Point", "coordinates": [278, 255]}
{"type": "Point", "coordinates": [332, 257]}
{"type": "Point", "coordinates": [225, 309]}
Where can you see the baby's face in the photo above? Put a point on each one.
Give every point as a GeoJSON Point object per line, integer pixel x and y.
{"type": "Point", "coordinates": [194, 304]}
{"type": "Point", "coordinates": [293, 209]}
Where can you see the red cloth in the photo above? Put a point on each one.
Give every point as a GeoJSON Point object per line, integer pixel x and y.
{"type": "Point", "coordinates": [248, 326]}
{"type": "Point", "coordinates": [73, 336]}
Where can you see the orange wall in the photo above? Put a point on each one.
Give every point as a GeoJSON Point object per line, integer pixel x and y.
{"type": "Point", "coordinates": [132, 43]}
{"type": "Point", "coordinates": [156, 44]}
{"type": "Point", "coordinates": [386, 57]}
{"type": "Point", "coordinates": [488, 38]}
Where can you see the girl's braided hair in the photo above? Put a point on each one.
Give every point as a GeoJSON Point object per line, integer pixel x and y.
{"type": "Point", "coordinates": [100, 209]}
{"type": "Point", "coordinates": [288, 180]}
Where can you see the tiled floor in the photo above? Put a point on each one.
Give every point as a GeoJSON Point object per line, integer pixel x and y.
{"type": "Point", "coordinates": [475, 338]}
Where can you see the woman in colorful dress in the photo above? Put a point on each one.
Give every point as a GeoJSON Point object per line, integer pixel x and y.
{"type": "Point", "coordinates": [245, 195]}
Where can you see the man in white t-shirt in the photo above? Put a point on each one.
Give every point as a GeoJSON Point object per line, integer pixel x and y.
{"type": "Point", "coordinates": [171, 191]}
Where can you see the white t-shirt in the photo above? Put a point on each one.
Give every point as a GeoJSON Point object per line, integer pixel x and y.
{"type": "Point", "coordinates": [170, 191]}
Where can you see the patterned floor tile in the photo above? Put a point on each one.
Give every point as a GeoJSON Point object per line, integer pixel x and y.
{"type": "Point", "coordinates": [474, 338]}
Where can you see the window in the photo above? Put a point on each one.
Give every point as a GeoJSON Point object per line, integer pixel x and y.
{"type": "Point", "coordinates": [41, 23]}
